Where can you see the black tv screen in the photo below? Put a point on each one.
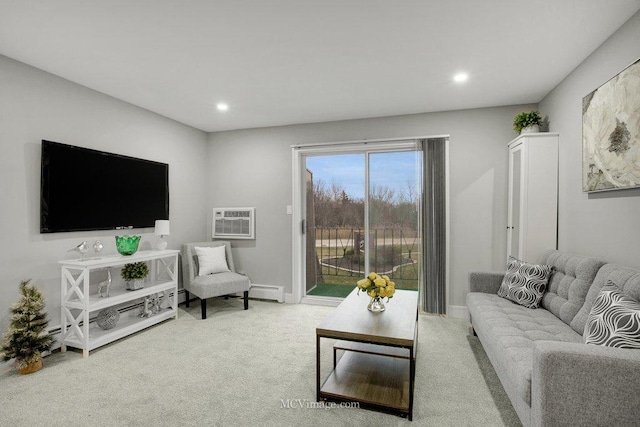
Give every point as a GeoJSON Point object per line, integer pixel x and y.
{"type": "Point", "coordinates": [83, 189]}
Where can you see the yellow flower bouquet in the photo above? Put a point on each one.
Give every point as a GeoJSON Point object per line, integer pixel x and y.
{"type": "Point", "coordinates": [377, 287]}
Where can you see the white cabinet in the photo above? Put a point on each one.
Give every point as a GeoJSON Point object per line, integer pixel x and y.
{"type": "Point", "coordinates": [532, 217]}
{"type": "Point", "coordinates": [81, 300]}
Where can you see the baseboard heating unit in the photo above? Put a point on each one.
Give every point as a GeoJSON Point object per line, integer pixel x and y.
{"type": "Point", "coordinates": [267, 292]}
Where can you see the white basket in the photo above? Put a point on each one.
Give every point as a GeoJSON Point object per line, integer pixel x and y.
{"type": "Point", "coordinates": [134, 285]}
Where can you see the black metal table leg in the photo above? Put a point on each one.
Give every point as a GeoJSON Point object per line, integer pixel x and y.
{"type": "Point", "coordinates": [334, 358]}
{"type": "Point", "coordinates": [412, 375]}
{"type": "Point", "coordinates": [317, 367]}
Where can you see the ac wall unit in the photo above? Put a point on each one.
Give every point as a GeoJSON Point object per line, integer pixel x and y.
{"type": "Point", "coordinates": [234, 223]}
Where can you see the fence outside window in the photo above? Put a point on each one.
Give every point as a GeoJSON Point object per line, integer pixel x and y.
{"type": "Point", "coordinates": [341, 252]}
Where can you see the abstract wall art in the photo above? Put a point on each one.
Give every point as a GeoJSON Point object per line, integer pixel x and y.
{"type": "Point", "coordinates": [611, 133]}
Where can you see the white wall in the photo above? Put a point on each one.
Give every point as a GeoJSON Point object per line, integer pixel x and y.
{"type": "Point", "coordinates": [254, 168]}
{"type": "Point", "coordinates": [35, 105]}
{"type": "Point", "coordinates": [602, 224]}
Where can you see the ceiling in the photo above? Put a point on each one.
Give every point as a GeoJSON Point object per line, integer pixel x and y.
{"type": "Point", "coordinates": [280, 62]}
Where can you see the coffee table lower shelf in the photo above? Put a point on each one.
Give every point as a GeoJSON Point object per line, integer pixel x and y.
{"type": "Point", "coordinates": [377, 381]}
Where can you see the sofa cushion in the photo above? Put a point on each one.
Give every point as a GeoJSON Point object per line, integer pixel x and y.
{"type": "Point", "coordinates": [569, 285]}
{"type": "Point", "coordinates": [626, 279]}
{"type": "Point", "coordinates": [614, 320]}
{"type": "Point", "coordinates": [509, 333]}
{"type": "Point", "coordinates": [524, 283]}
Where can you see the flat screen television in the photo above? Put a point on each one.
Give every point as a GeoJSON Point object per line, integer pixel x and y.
{"type": "Point", "coordinates": [83, 189]}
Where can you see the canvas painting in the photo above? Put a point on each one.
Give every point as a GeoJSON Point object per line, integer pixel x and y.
{"type": "Point", "coordinates": [611, 133]}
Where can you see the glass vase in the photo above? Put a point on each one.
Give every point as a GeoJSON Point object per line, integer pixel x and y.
{"type": "Point", "coordinates": [127, 245]}
{"type": "Point", "coordinates": [376, 305]}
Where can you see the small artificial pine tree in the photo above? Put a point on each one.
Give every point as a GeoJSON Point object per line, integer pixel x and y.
{"type": "Point", "coordinates": [26, 338]}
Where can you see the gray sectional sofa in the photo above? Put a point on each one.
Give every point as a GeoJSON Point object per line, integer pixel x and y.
{"type": "Point", "coordinates": [550, 375]}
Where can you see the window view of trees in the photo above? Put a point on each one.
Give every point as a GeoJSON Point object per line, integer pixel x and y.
{"type": "Point", "coordinates": [389, 208]}
{"type": "Point", "coordinates": [332, 206]}
{"type": "Point", "coordinates": [338, 235]}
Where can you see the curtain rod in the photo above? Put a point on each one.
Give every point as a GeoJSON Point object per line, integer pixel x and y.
{"type": "Point", "coordinates": [367, 141]}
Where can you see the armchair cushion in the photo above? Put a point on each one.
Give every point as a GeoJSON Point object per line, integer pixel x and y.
{"type": "Point", "coordinates": [211, 285]}
{"type": "Point", "coordinates": [214, 285]}
{"type": "Point", "coordinates": [211, 260]}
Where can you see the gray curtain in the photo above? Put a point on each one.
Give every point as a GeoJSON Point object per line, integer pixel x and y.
{"type": "Point", "coordinates": [434, 225]}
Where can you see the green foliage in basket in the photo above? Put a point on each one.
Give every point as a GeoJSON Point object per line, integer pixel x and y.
{"type": "Point", "coordinates": [526, 119]}
{"type": "Point", "coordinates": [134, 270]}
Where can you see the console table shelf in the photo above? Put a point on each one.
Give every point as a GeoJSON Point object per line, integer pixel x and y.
{"type": "Point", "coordinates": [80, 298]}
{"type": "Point", "coordinates": [127, 325]}
{"type": "Point", "coordinates": [119, 296]}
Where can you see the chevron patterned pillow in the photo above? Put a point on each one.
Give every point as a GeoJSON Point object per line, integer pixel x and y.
{"type": "Point", "coordinates": [525, 283]}
{"type": "Point", "coordinates": [614, 320]}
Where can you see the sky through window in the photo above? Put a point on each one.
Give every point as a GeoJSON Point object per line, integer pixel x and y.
{"type": "Point", "coordinates": [396, 171]}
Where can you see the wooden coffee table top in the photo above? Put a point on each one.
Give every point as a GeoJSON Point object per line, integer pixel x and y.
{"type": "Point", "coordinates": [352, 321]}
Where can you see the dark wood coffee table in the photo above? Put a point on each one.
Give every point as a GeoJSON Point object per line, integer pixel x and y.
{"type": "Point", "coordinates": [378, 364]}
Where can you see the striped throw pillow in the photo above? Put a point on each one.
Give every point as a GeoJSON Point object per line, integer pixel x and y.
{"type": "Point", "coordinates": [525, 283]}
{"type": "Point", "coordinates": [614, 320]}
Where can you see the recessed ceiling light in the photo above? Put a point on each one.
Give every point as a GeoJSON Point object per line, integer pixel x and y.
{"type": "Point", "coordinates": [460, 77]}
{"type": "Point", "coordinates": [222, 106]}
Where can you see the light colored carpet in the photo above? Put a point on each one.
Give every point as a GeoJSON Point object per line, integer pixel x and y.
{"type": "Point", "coordinates": [236, 368]}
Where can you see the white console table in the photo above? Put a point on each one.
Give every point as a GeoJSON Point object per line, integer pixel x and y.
{"type": "Point", "coordinates": [81, 300]}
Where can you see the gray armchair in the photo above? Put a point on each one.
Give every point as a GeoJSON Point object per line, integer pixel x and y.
{"type": "Point", "coordinates": [211, 285]}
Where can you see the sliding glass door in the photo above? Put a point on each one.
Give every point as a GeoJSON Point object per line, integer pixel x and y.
{"type": "Point", "coordinates": [394, 190]}
{"type": "Point", "coordinates": [335, 199]}
{"type": "Point", "coordinates": [360, 213]}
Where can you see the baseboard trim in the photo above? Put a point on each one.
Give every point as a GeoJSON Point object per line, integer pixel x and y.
{"type": "Point", "coordinates": [318, 300]}
{"type": "Point", "coordinates": [458, 312]}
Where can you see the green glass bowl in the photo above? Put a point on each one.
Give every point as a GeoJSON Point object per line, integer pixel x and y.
{"type": "Point", "coordinates": [127, 245]}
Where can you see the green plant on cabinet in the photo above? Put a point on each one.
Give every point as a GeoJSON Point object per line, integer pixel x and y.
{"type": "Point", "coordinates": [526, 119]}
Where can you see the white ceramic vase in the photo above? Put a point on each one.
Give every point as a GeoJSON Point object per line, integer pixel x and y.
{"type": "Point", "coordinates": [531, 129]}
{"type": "Point", "coordinates": [135, 284]}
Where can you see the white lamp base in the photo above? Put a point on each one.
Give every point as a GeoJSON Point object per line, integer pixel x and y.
{"type": "Point", "coordinates": [161, 244]}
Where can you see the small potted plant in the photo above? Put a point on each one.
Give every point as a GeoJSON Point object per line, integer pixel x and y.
{"type": "Point", "coordinates": [27, 336]}
{"type": "Point", "coordinates": [527, 122]}
{"type": "Point", "coordinates": [134, 274]}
